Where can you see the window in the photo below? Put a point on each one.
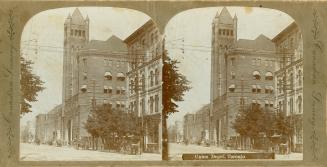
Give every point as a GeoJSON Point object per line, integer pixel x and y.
{"type": "Point", "coordinates": [233, 75]}
{"type": "Point", "coordinates": [151, 104]}
{"type": "Point", "coordinates": [118, 90]}
{"type": "Point", "coordinates": [299, 102]}
{"type": "Point", "coordinates": [227, 32]}
{"type": "Point", "coordinates": [71, 32]}
{"type": "Point", "coordinates": [232, 61]}
{"type": "Point", "coordinates": [269, 76]}
{"type": "Point", "coordinates": [120, 76]}
{"type": "Point", "coordinates": [84, 88]}
{"type": "Point", "coordinates": [231, 32]}
{"type": "Point", "coordinates": [84, 75]}
{"type": "Point", "coordinates": [84, 62]}
{"type": "Point", "coordinates": [299, 77]}
{"type": "Point", "coordinates": [223, 31]}
{"type": "Point", "coordinates": [83, 33]}
{"type": "Point", "coordinates": [254, 88]}
{"type": "Point", "coordinates": [117, 104]}
{"type": "Point", "coordinates": [131, 87]}
{"type": "Point", "coordinates": [258, 89]}
{"type": "Point", "coordinates": [123, 90]}
{"type": "Point", "coordinates": [105, 89]}
{"type": "Point", "coordinates": [108, 75]}
{"type": "Point", "coordinates": [291, 105]}
{"type": "Point", "coordinates": [219, 31]}
{"type": "Point", "coordinates": [79, 33]}
{"type": "Point", "coordinates": [256, 75]}
{"type": "Point", "coordinates": [231, 88]}
{"type": "Point", "coordinates": [156, 78]}
{"type": "Point", "coordinates": [242, 101]}
{"type": "Point", "coordinates": [151, 78]}
{"type": "Point", "coordinates": [156, 103]}
{"type": "Point", "coordinates": [291, 81]}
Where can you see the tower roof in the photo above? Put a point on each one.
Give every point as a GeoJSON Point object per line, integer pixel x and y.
{"type": "Point", "coordinates": [225, 16]}
{"type": "Point", "coordinates": [77, 17]}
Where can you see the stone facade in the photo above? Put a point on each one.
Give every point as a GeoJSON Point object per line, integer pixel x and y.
{"type": "Point", "coordinates": [289, 48]}
{"type": "Point", "coordinates": [242, 75]}
{"type": "Point", "coordinates": [48, 126]}
{"type": "Point", "coordinates": [196, 126]}
{"type": "Point", "coordinates": [144, 82]}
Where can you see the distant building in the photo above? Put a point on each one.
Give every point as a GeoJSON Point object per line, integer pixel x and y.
{"type": "Point", "coordinates": [40, 128]}
{"type": "Point", "coordinates": [144, 82]}
{"type": "Point", "coordinates": [196, 126]}
{"type": "Point", "coordinates": [48, 126]}
{"type": "Point", "coordinates": [242, 74]}
{"type": "Point", "coordinates": [289, 79]}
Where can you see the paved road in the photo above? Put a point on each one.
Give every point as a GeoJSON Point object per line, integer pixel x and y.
{"type": "Point", "coordinates": [176, 151]}
{"type": "Point", "coordinates": [32, 152]}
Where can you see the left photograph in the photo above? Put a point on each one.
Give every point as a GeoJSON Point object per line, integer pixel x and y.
{"type": "Point", "coordinates": [91, 83]}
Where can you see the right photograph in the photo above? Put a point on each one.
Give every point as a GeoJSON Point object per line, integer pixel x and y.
{"type": "Point", "coordinates": [237, 80]}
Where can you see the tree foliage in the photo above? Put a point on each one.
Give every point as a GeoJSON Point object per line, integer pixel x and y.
{"type": "Point", "coordinates": [255, 120]}
{"type": "Point", "coordinates": [174, 86]}
{"type": "Point", "coordinates": [31, 84]}
{"type": "Point", "coordinates": [110, 123]}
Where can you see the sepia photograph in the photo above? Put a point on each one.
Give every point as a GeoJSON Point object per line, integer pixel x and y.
{"type": "Point", "coordinates": [91, 83]}
{"type": "Point", "coordinates": [163, 83]}
{"type": "Point", "coordinates": [243, 70]}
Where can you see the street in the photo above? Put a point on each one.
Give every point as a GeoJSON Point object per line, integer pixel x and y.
{"type": "Point", "coordinates": [176, 151]}
{"type": "Point", "coordinates": [33, 152]}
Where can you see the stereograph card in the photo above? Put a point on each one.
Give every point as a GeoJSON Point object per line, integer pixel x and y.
{"type": "Point", "coordinates": [163, 83]}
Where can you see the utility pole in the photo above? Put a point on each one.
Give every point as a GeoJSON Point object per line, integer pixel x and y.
{"type": "Point", "coordinates": [164, 114]}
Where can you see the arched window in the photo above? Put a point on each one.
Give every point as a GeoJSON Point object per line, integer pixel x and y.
{"type": "Point", "coordinates": [151, 104]}
{"type": "Point", "coordinates": [256, 75]}
{"type": "Point", "coordinates": [131, 85]}
{"type": "Point", "coordinates": [151, 78]}
{"type": "Point", "coordinates": [269, 76]}
{"type": "Point", "coordinates": [156, 103]}
{"type": "Point", "coordinates": [143, 82]}
{"type": "Point", "coordinates": [299, 103]}
{"type": "Point", "coordinates": [156, 77]}
{"type": "Point", "coordinates": [299, 77]}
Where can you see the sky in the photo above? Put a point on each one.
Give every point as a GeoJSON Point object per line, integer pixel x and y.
{"type": "Point", "coordinates": [42, 42]}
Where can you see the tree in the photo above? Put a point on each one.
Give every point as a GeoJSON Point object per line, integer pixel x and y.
{"type": "Point", "coordinates": [31, 84]}
{"type": "Point", "coordinates": [254, 121]}
{"type": "Point", "coordinates": [111, 125]}
{"type": "Point", "coordinates": [174, 87]}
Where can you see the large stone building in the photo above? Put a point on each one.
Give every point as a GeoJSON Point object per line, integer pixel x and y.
{"type": "Point", "coordinates": [289, 79]}
{"type": "Point", "coordinates": [144, 82]}
{"type": "Point", "coordinates": [242, 73]}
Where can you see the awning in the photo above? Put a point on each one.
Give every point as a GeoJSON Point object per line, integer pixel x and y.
{"type": "Point", "coordinates": [267, 87]}
{"type": "Point", "coordinates": [107, 74]}
{"type": "Point", "coordinates": [110, 87]}
{"type": "Point", "coordinates": [85, 74]}
{"type": "Point", "coordinates": [117, 102]}
{"type": "Point", "coordinates": [105, 87]}
{"type": "Point", "coordinates": [269, 74]}
{"type": "Point", "coordinates": [232, 86]}
{"type": "Point", "coordinates": [271, 87]}
{"type": "Point", "coordinates": [256, 73]}
{"type": "Point", "coordinates": [254, 101]}
{"type": "Point", "coordinates": [105, 101]}
{"type": "Point", "coordinates": [266, 102]}
{"type": "Point", "coordinates": [254, 87]}
{"type": "Point", "coordinates": [258, 87]}
{"type": "Point", "coordinates": [123, 88]}
{"type": "Point", "coordinates": [84, 87]}
{"type": "Point", "coordinates": [272, 102]}
{"type": "Point", "coordinates": [120, 75]}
